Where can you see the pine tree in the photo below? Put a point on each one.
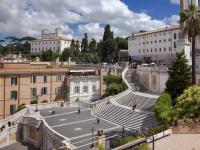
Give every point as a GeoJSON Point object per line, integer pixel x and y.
{"type": "Point", "coordinates": [84, 44]}
{"type": "Point", "coordinates": [108, 34]}
{"type": "Point", "coordinates": [77, 46]}
{"type": "Point", "coordinates": [73, 45]}
{"type": "Point", "coordinates": [179, 77]}
{"type": "Point", "coordinates": [93, 46]}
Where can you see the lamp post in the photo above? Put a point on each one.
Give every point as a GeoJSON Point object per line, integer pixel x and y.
{"type": "Point", "coordinates": [92, 130]}
{"type": "Point", "coordinates": [36, 109]}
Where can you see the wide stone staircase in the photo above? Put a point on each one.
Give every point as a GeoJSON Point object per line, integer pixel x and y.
{"type": "Point", "coordinates": [125, 117]}
{"type": "Point", "coordinates": [133, 80]}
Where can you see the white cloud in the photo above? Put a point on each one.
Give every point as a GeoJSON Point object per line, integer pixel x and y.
{"type": "Point", "coordinates": [28, 17]}
{"type": "Point", "coordinates": [175, 1]}
{"type": "Point", "coordinates": [173, 20]}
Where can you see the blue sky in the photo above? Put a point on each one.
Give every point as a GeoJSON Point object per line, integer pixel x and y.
{"type": "Point", "coordinates": [27, 17]}
{"type": "Point", "coordinates": [158, 9]}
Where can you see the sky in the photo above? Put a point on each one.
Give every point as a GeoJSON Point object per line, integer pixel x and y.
{"type": "Point", "coordinates": [76, 17]}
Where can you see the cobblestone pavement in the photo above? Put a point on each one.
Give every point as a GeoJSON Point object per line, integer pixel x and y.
{"type": "Point", "coordinates": [179, 142]}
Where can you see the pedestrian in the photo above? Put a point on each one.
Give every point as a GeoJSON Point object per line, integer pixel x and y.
{"type": "Point", "coordinates": [79, 110]}
{"type": "Point", "coordinates": [9, 124]}
{"type": "Point", "coordinates": [54, 110]}
{"type": "Point", "coordinates": [98, 120]}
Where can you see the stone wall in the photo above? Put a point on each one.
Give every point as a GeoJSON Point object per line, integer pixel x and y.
{"type": "Point", "coordinates": [187, 127]}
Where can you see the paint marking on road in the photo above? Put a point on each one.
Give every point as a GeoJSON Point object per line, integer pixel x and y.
{"type": "Point", "coordinates": [65, 124]}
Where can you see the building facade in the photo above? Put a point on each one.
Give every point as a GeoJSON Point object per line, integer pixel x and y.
{"type": "Point", "coordinates": [50, 41]}
{"type": "Point", "coordinates": [159, 46]}
{"type": "Point", "coordinates": [23, 83]}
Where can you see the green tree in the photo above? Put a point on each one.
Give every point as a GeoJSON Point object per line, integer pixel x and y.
{"type": "Point", "coordinates": [179, 77]}
{"type": "Point", "coordinates": [190, 19]}
{"type": "Point", "coordinates": [49, 55]}
{"type": "Point", "coordinates": [77, 48]}
{"type": "Point", "coordinates": [73, 44]}
{"type": "Point", "coordinates": [188, 104]}
{"type": "Point", "coordinates": [112, 79]}
{"type": "Point", "coordinates": [92, 46]}
{"type": "Point", "coordinates": [109, 50]}
{"type": "Point", "coordinates": [114, 89]}
{"type": "Point", "coordinates": [84, 44]}
{"type": "Point", "coordinates": [108, 34]}
{"type": "Point", "coordinates": [122, 43]}
{"type": "Point", "coordinates": [68, 52]}
{"type": "Point", "coordinates": [163, 107]}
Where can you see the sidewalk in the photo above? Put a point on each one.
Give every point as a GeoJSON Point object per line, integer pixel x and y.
{"type": "Point", "coordinates": [179, 142]}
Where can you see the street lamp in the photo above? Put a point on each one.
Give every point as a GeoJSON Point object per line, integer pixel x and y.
{"type": "Point", "coordinates": [36, 109]}
{"type": "Point", "coordinates": [92, 130]}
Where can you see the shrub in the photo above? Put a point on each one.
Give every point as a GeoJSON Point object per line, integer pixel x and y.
{"type": "Point", "coordinates": [143, 146]}
{"type": "Point", "coordinates": [34, 102]}
{"type": "Point", "coordinates": [22, 106]}
{"type": "Point", "coordinates": [163, 107]}
{"type": "Point", "coordinates": [155, 130]}
{"type": "Point", "coordinates": [44, 101]}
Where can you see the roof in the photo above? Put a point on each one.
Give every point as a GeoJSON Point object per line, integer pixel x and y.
{"type": "Point", "coordinates": [156, 31]}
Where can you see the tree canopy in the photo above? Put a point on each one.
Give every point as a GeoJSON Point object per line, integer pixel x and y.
{"type": "Point", "coordinates": [188, 104]}
{"type": "Point", "coordinates": [190, 19]}
{"type": "Point", "coordinates": [163, 107]}
{"type": "Point", "coordinates": [179, 77]}
{"type": "Point", "coordinates": [49, 55]}
{"type": "Point", "coordinates": [84, 43]}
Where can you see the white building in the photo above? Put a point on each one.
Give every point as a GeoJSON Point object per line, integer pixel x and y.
{"type": "Point", "coordinates": [50, 41]}
{"type": "Point", "coordinates": [84, 85]}
{"type": "Point", "coordinates": [159, 46]}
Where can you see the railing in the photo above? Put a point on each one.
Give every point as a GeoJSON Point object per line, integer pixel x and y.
{"type": "Point", "coordinates": [13, 117]}
{"type": "Point", "coordinates": [123, 77]}
{"type": "Point", "coordinates": [153, 69]}
{"type": "Point", "coordinates": [6, 136]}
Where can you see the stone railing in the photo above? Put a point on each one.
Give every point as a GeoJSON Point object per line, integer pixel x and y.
{"type": "Point", "coordinates": [46, 105]}
{"type": "Point", "coordinates": [13, 117]}
{"type": "Point", "coordinates": [153, 69]}
{"type": "Point", "coordinates": [8, 136]}
{"type": "Point", "coordinates": [159, 135]}
{"type": "Point", "coordinates": [123, 77]}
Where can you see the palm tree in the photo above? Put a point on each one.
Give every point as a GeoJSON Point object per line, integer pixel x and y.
{"type": "Point", "coordinates": [190, 19]}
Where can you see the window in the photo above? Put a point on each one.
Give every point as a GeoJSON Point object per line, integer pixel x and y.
{"type": "Point", "coordinates": [164, 40]}
{"type": "Point", "coordinates": [175, 36]}
{"type": "Point", "coordinates": [174, 44]}
{"type": "Point", "coordinates": [34, 92]}
{"type": "Point", "coordinates": [155, 41]}
{"type": "Point", "coordinates": [139, 50]}
{"type": "Point", "coordinates": [45, 78]}
{"type": "Point", "coordinates": [160, 49]}
{"type": "Point", "coordinates": [85, 89]}
{"type": "Point", "coordinates": [155, 50]}
{"type": "Point", "coordinates": [12, 109]}
{"type": "Point", "coordinates": [44, 91]}
{"type": "Point", "coordinates": [58, 90]}
{"type": "Point", "coordinates": [160, 41]}
{"type": "Point", "coordinates": [169, 48]}
{"type": "Point", "coordinates": [14, 80]}
{"type": "Point", "coordinates": [169, 39]}
{"type": "Point", "coordinates": [34, 78]}
{"type": "Point", "coordinates": [58, 77]}
{"type": "Point", "coordinates": [94, 88]}
{"type": "Point", "coordinates": [151, 50]}
{"type": "Point", "coordinates": [76, 89]}
{"type": "Point", "coordinates": [13, 95]}
{"type": "Point", "coordinates": [164, 49]}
